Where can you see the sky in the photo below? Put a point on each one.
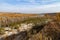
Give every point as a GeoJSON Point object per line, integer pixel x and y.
{"type": "Point", "coordinates": [30, 6]}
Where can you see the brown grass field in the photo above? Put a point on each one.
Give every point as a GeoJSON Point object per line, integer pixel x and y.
{"type": "Point", "coordinates": [49, 31]}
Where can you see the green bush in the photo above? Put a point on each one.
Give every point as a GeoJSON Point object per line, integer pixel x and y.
{"type": "Point", "coordinates": [2, 31]}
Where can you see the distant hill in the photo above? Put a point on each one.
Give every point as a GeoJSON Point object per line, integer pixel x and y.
{"type": "Point", "coordinates": [15, 14]}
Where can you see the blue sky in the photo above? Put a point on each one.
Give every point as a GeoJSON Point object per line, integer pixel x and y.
{"type": "Point", "coordinates": [30, 6]}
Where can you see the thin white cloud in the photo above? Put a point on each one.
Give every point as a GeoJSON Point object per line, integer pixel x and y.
{"type": "Point", "coordinates": [31, 8]}
{"type": "Point", "coordinates": [42, 9]}
{"type": "Point", "coordinates": [37, 0]}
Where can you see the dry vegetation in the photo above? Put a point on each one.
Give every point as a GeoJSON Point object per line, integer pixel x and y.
{"type": "Point", "coordinates": [50, 31]}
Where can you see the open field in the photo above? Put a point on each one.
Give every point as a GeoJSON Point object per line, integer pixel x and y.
{"type": "Point", "coordinates": [15, 26]}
